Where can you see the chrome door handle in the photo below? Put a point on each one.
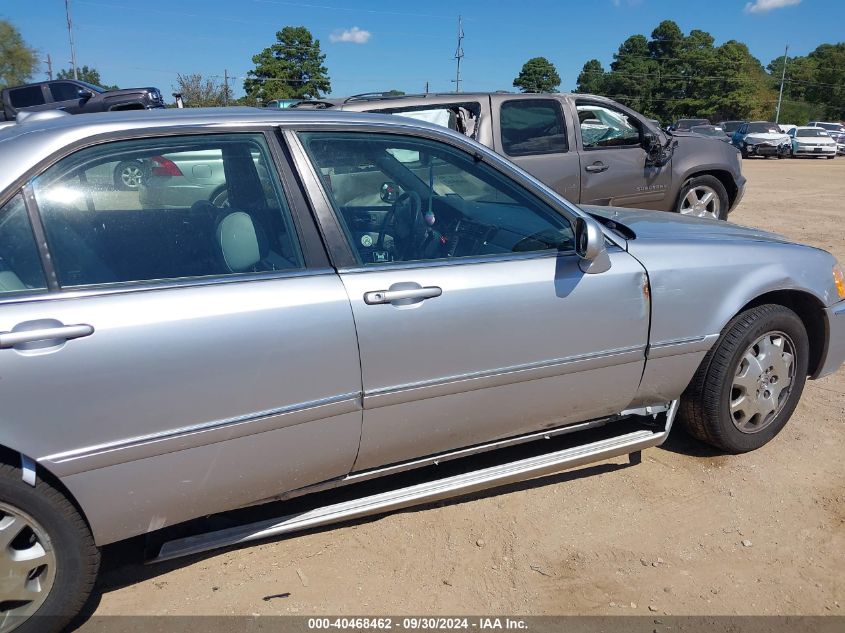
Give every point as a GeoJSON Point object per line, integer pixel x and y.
{"type": "Point", "coordinates": [65, 332]}
{"type": "Point", "coordinates": [596, 168]}
{"type": "Point", "coordinates": [389, 296]}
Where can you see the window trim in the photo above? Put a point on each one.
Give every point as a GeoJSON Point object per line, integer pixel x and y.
{"type": "Point", "coordinates": [607, 106]}
{"type": "Point", "coordinates": [559, 108]}
{"type": "Point", "coordinates": [315, 258]}
{"type": "Point", "coordinates": [338, 239]}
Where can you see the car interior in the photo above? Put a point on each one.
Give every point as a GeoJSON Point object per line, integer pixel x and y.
{"type": "Point", "coordinates": [100, 236]}
{"type": "Point", "coordinates": [431, 204]}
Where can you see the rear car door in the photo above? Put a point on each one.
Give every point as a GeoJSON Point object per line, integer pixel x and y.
{"type": "Point", "coordinates": [185, 359]}
{"type": "Point", "coordinates": [614, 166]}
{"type": "Point", "coordinates": [533, 133]}
{"type": "Point", "coordinates": [474, 320]}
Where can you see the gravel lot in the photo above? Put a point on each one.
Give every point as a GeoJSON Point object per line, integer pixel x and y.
{"type": "Point", "coordinates": [663, 537]}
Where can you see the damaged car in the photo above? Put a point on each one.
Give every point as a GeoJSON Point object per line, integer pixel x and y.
{"type": "Point", "coordinates": [377, 296]}
{"type": "Point", "coordinates": [762, 138]}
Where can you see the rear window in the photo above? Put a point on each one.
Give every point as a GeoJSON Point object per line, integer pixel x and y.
{"type": "Point", "coordinates": [532, 126]}
{"type": "Point", "coordinates": [26, 97]}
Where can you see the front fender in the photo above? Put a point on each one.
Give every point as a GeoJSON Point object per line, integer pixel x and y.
{"type": "Point", "coordinates": [697, 287]}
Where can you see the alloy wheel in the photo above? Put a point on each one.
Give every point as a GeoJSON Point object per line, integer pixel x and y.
{"type": "Point", "coordinates": [763, 382]}
{"type": "Point", "coordinates": [131, 176]}
{"type": "Point", "coordinates": [27, 566]}
{"type": "Point", "coordinates": [701, 202]}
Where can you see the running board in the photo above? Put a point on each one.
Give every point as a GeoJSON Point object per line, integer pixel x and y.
{"type": "Point", "coordinates": [427, 492]}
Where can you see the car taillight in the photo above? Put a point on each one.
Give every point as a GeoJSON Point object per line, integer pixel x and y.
{"type": "Point", "coordinates": [164, 167]}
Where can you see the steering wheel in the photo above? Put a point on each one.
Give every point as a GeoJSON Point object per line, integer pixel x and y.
{"type": "Point", "coordinates": [409, 205]}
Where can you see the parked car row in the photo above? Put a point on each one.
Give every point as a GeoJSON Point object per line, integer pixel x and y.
{"type": "Point", "coordinates": [376, 294]}
{"type": "Point", "coordinates": [765, 138]}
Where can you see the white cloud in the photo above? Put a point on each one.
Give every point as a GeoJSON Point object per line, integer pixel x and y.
{"type": "Point", "coordinates": [763, 6]}
{"type": "Point", "coordinates": [353, 35]}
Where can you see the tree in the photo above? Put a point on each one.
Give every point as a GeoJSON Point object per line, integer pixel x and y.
{"type": "Point", "coordinates": [538, 74]}
{"type": "Point", "coordinates": [17, 60]}
{"type": "Point", "coordinates": [202, 92]}
{"type": "Point", "coordinates": [90, 75]}
{"type": "Point", "coordinates": [292, 68]}
{"type": "Point", "coordinates": [591, 79]}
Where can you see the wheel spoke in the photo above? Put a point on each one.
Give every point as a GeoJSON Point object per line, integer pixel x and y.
{"type": "Point", "coordinates": [707, 198]}
{"type": "Point", "coordinates": [691, 198]}
{"type": "Point", "coordinates": [10, 527]}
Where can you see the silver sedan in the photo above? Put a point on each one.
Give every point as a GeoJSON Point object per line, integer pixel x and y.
{"type": "Point", "coordinates": [376, 295]}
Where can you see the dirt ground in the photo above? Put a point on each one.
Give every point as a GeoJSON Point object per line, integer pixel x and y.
{"type": "Point", "coordinates": [662, 537]}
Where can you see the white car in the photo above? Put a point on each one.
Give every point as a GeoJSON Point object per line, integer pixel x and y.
{"type": "Point", "coordinates": [812, 141]}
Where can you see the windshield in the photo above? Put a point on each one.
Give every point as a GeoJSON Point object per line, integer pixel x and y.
{"type": "Point", "coordinates": [763, 128]}
{"type": "Point", "coordinates": [707, 130]}
{"type": "Point", "coordinates": [812, 132]}
{"type": "Point", "coordinates": [93, 87]}
{"type": "Point", "coordinates": [731, 126]}
{"type": "Point", "coordinates": [831, 126]}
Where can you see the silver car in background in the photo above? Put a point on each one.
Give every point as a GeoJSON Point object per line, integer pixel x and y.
{"type": "Point", "coordinates": [375, 296]}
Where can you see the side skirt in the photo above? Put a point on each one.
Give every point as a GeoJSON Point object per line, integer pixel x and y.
{"type": "Point", "coordinates": [427, 492]}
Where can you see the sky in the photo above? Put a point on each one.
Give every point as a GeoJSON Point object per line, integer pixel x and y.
{"type": "Point", "coordinates": [376, 45]}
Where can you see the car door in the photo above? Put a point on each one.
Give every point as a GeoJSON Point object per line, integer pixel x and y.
{"type": "Point", "coordinates": [533, 133]}
{"type": "Point", "coordinates": [65, 95]}
{"type": "Point", "coordinates": [474, 319]}
{"type": "Point", "coordinates": [186, 360]}
{"type": "Point", "coordinates": [614, 166]}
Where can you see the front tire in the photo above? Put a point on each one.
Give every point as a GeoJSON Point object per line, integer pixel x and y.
{"type": "Point", "coordinates": [749, 383]}
{"type": "Point", "coordinates": [704, 197]}
{"type": "Point", "coordinates": [128, 175]}
{"type": "Point", "coordinates": [48, 560]}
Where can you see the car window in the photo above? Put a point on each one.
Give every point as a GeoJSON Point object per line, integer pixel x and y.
{"type": "Point", "coordinates": [443, 205]}
{"type": "Point", "coordinates": [166, 208]}
{"type": "Point", "coordinates": [461, 117]}
{"type": "Point", "coordinates": [603, 127]}
{"type": "Point", "coordinates": [812, 133]}
{"type": "Point", "coordinates": [26, 97]}
{"type": "Point", "coordinates": [20, 265]}
{"type": "Point", "coordinates": [532, 126]}
{"type": "Point", "coordinates": [64, 91]}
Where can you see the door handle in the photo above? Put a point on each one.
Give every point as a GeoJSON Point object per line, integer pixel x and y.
{"type": "Point", "coordinates": [65, 332]}
{"type": "Point", "coordinates": [596, 167]}
{"type": "Point", "coordinates": [410, 295]}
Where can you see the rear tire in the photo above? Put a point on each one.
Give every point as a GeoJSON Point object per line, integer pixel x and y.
{"type": "Point", "coordinates": [719, 410]}
{"type": "Point", "coordinates": [40, 523]}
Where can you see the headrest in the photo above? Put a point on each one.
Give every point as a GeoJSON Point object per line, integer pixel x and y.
{"type": "Point", "coordinates": [238, 242]}
{"type": "Point", "coordinates": [9, 281]}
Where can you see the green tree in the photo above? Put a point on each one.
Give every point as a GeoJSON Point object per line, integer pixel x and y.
{"type": "Point", "coordinates": [17, 60]}
{"type": "Point", "coordinates": [538, 74]}
{"type": "Point", "coordinates": [90, 75]}
{"type": "Point", "coordinates": [591, 79]}
{"type": "Point", "coordinates": [202, 92]}
{"type": "Point", "coordinates": [292, 68]}
{"type": "Point", "coordinates": [633, 76]}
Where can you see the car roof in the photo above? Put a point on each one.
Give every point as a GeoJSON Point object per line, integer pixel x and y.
{"type": "Point", "coordinates": [36, 140]}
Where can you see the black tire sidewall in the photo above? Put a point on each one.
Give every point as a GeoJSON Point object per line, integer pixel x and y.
{"type": "Point", "coordinates": [71, 546]}
{"type": "Point", "coordinates": [782, 320]}
{"type": "Point", "coordinates": [709, 181]}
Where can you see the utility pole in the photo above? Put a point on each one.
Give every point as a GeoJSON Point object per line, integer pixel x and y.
{"type": "Point", "coordinates": [70, 37]}
{"type": "Point", "coordinates": [459, 54]}
{"type": "Point", "coordinates": [426, 87]}
{"type": "Point", "coordinates": [782, 78]}
{"type": "Point", "coordinates": [225, 87]}
{"type": "Point", "coordinates": [49, 62]}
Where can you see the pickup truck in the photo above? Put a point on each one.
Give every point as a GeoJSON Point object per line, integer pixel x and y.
{"type": "Point", "coordinates": [75, 97]}
{"type": "Point", "coordinates": [589, 149]}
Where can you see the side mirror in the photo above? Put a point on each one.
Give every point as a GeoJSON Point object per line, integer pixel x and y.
{"type": "Point", "coordinates": [85, 94]}
{"type": "Point", "coordinates": [388, 192]}
{"type": "Point", "coordinates": [590, 246]}
{"type": "Point", "coordinates": [650, 141]}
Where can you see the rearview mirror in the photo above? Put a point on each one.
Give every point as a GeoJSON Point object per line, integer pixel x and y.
{"type": "Point", "coordinates": [388, 192]}
{"type": "Point", "coordinates": [590, 246]}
